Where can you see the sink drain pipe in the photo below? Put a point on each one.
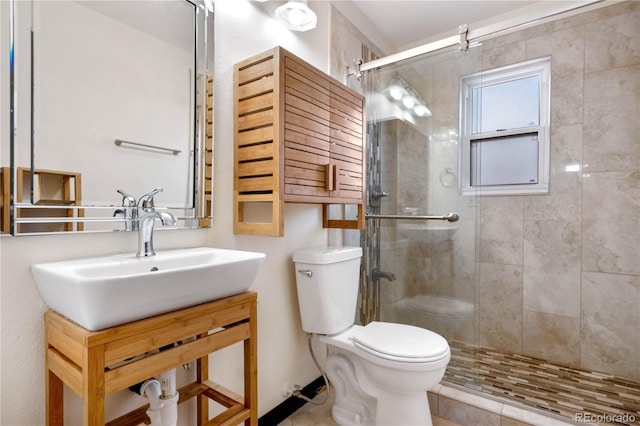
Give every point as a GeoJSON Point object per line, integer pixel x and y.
{"type": "Point", "coordinates": [169, 396]}
{"type": "Point", "coordinates": [163, 398]}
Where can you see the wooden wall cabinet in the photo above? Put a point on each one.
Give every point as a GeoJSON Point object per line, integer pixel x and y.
{"type": "Point", "coordinates": [207, 158]}
{"type": "Point", "coordinates": [299, 137]}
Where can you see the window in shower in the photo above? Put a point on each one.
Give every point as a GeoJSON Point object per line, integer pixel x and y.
{"type": "Point", "coordinates": [504, 130]}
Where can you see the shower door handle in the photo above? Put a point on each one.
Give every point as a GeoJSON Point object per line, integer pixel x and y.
{"type": "Point", "coordinates": [451, 217]}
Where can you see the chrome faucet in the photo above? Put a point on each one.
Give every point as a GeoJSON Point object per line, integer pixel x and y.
{"type": "Point", "coordinates": [129, 211]}
{"type": "Point", "coordinates": [376, 274]}
{"type": "Point", "coordinates": [376, 194]}
{"type": "Point", "coordinates": [146, 220]}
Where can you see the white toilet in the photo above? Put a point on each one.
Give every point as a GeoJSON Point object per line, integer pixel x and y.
{"type": "Point", "coordinates": [380, 372]}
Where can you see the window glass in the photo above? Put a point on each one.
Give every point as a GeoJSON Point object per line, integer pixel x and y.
{"type": "Point", "coordinates": [511, 160]}
{"type": "Point", "coordinates": [506, 105]}
{"type": "Point", "coordinates": [504, 130]}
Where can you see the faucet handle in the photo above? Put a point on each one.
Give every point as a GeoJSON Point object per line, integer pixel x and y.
{"type": "Point", "coordinates": [146, 201]}
{"type": "Point", "coordinates": [128, 200]}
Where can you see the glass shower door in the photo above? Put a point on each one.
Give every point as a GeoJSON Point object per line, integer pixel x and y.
{"type": "Point", "coordinates": [419, 272]}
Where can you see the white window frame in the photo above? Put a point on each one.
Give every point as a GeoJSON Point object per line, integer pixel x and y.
{"type": "Point", "coordinates": [538, 67]}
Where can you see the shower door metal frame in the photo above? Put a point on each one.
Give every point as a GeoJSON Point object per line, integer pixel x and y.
{"type": "Point", "coordinates": [466, 35]}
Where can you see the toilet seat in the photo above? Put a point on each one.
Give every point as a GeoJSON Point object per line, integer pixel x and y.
{"type": "Point", "coordinates": [400, 342]}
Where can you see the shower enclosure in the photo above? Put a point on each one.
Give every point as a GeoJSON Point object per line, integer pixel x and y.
{"type": "Point", "coordinates": [538, 294]}
{"type": "Point", "coordinates": [420, 271]}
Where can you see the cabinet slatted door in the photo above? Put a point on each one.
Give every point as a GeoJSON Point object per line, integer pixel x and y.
{"type": "Point", "coordinates": [299, 137]}
{"type": "Point", "coordinates": [307, 132]}
{"type": "Point", "coordinates": [347, 137]}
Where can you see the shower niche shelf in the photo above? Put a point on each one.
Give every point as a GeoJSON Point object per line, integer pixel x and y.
{"type": "Point", "coordinates": [299, 137]}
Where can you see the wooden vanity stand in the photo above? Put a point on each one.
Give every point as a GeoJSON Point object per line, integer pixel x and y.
{"type": "Point", "coordinates": [94, 363]}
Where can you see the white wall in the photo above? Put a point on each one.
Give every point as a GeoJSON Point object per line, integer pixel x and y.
{"type": "Point", "coordinates": [242, 29]}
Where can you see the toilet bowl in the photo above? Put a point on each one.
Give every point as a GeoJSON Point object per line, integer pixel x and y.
{"type": "Point", "coordinates": [393, 366]}
{"type": "Point", "coordinates": [381, 372]}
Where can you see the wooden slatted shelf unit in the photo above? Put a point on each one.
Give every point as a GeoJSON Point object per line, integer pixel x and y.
{"type": "Point", "coordinates": [91, 363]}
{"type": "Point", "coordinates": [50, 188]}
{"type": "Point", "coordinates": [299, 137]}
{"type": "Point", "coordinates": [207, 163]}
{"type": "Point", "coordinates": [5, 195]}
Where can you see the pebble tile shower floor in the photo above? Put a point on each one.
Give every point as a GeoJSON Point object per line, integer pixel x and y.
{"type": "Point", "coordinates": [539, 384]}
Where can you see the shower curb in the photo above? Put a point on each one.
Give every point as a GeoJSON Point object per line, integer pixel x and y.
{"type": "Point", "coordinates": [468, 407]}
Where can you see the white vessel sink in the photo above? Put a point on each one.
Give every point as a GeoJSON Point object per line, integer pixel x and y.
{"type": "Point", "coordinates": [102, 292]}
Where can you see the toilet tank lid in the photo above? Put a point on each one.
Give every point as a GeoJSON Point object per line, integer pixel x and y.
{"type": "Point", "coordinates": [325, 255]}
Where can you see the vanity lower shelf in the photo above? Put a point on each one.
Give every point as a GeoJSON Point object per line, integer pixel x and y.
{"type": "Point", "coordinates": [94, 363]}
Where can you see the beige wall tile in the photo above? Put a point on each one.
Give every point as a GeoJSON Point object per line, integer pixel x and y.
{"type": "Point", "coordinates": [611, 224]}
{"type": "Point", "coordinates": [552, 267]}
{"type": "Point", "coordinates": [596, 213]}
{"type": "Point", "coordinates": [597, 15]}
{"type": "Point", "coordinates": [610, 326]}
{"type": "Point", "coordinates": [500, 307]}
{"type": "Point", "coordinates": [446, 89]}
{"type": "Point", "coordinates": [500, 54]}
{"type": "Point", "coordinates": [611, 125]}
{"type": "Point", "coordinates": [412, 154]}
{"type": "Point", "coordinates": [613, 42]}
{"type": "Point", "coordinates": [501, 222]}
{"type": "Point", "coordinates": [566, 49]}
{"type": "Point", "coordinates": [551, 337]}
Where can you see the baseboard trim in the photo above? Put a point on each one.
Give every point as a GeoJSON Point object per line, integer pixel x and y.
{"type": "Point", "coordinates": [292, 404]}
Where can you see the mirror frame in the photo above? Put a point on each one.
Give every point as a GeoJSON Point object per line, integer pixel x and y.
{"type": "Point", "coordinates": [197, 215]}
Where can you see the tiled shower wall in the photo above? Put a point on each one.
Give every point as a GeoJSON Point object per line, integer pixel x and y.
{"type": "Point", "coordinates": [559, 274]}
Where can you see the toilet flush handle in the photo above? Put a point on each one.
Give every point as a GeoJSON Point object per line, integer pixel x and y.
{"type": "Point", "coordinates": [307, 272]}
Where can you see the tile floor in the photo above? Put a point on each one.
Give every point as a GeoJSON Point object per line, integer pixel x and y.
{"type": "Point", "coordinates": [320, 415]}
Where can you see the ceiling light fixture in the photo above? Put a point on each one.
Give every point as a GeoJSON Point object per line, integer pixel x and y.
{"type": "Point", "coordinates": [406, 97]}
{"type": "Point", "coordinates": [296, 15]}
{"type": "Point", "coordinates": [409, 101]}
{"type": "Point", "coordinates": [396, 89]}
{"type": "Point", "coordinates": [421, 110]}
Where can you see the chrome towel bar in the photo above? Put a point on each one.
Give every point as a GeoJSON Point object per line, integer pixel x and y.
{"type": "Point", "coordinates": [451, 217]}
{"type": "Point", "coordinates": [120, 142]}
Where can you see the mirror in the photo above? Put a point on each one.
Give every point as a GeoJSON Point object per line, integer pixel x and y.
{"type": "Point", "coordinates": [111, 99]}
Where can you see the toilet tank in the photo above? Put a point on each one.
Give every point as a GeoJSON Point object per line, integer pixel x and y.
{"type": "Point", "coordinates": [327, 279]}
